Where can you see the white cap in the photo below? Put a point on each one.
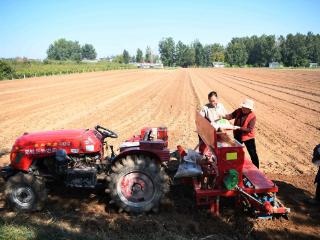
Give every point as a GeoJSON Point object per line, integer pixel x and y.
{"type": "Point", "coordinates": [248, 103]}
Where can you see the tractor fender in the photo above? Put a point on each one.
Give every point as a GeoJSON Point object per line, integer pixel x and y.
{"type": "Point", "coordinates": [21, 161]}
{"type": "Point", "coordinates": [160, 155]}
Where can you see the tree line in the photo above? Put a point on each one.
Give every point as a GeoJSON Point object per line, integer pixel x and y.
{"type": "Point", "coordinates": [292, 51]}
{"type": "Point", "coordinates": [62, 50]}
{"type": "Point", "coordinates": [297, 50]}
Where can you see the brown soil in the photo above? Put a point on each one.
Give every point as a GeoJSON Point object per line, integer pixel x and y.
{"type": "Point", "coordinates": [287, 105]}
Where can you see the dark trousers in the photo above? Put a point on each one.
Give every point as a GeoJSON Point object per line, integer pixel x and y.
{"type": "Point", "coordinates": [317, 197]}
{"type": "Point", "coordinates": [251, 147]}
{"type": "Point", "coordinates": [317, 181]}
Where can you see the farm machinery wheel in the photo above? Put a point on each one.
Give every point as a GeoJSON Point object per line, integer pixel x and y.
{"type": "Point", "coordinates": [137, 184]}
{"type": "Point", "coordinates": [25, 192]}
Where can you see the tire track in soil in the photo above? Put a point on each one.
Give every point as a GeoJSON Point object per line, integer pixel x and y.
{"type": "Point", "coordinates": [41, 104]}
{"type": "Point", "coordinates": [263, 76]}
{"type": "Point", "coordinates": [139, 87]}
{"type": "Point", "coordinates": [195, 93]}
{"type": "Point", "coordinates": [62, 92]}
{"type": "Point", "coordinates": [179, 118]}
{"type": "Point", "coordinates": [31, 102]}
{"type": "Point", "coordinates": [70, 78]}
{"type": "Point", "coordinates": [140, 114]}
{"type": "Point", "coordinates": [304, 107]}
{"type": "Point", "coordinates": [265, 85]}
{"type": "Point", "coordinates": [281, 99]}
{"type": "Point", "coordinates": [192, 99]}
{"type": "Point", "coordinates": [44, 111]}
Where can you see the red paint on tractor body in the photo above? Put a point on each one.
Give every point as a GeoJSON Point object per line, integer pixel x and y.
{"type": "Point", "coordinates": [38, 145]}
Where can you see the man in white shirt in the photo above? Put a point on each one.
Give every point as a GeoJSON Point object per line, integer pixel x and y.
{"type": "Point", "coordinates": [214, 110]}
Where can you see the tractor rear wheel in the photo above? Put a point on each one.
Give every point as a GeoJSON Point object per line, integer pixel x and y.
{"type": "Point", "coordinates": [137, 184]}
{"type": "Point", "coordinates": [25, 192]}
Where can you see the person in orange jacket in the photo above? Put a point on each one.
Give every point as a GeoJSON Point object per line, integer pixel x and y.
{"type": "Point", "coordinates": [245, 118]}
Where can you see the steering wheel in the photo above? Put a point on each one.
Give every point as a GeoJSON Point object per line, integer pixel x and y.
{"type": "Point", "coordinates": [105, 132]}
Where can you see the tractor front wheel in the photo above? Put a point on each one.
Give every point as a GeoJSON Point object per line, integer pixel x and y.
{"type": "Point", "coordinates": [137, 184]}
{"type": "Point", "coordinates": [25, 192]}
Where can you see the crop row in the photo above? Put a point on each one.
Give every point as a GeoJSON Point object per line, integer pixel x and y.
{"type": "Point", "coordinates": [32, 69]}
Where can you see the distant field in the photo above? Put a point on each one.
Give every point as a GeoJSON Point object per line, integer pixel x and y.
{"type": "Point", "coordinates": [287, 105]}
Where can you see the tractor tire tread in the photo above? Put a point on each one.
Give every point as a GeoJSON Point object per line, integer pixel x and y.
{"type": "Point", "coordinates": [144, 164]}
{"type": "Point", "coordinates": [36, 184]}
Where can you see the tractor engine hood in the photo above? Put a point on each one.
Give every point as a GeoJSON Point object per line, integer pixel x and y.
{"type": "Point", "coordinates": [76, 141]}
{"type": "Point", "coordinates": [45, 144]}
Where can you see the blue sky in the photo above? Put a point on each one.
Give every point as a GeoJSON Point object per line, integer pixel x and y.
{"type": "Point", "coordinates": [27, 28]}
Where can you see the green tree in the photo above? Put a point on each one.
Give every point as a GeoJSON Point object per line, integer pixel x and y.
{"type": "Point", "coordinates": [88, 52]}
{"type": "Point", "coordinates": [199, 53]}
{"type": "Point", "coordinates": [268, 50]}
{"type": "Point", "coordinates": [236, 53]}
{"type": "Point", "coordinates": [252, 49]}
{"type": "Point", "coordinates": [207, 53]}
{"type": "Point", "coordinates": [184, 55]}
{"type": "Point", "coordinates": [295, 52]}
{"type": "Point", "coordinates": [277, 51]}
{"type": "Point", "coordinates": [212, 53]}
{"type": "Point", "coordinates": [261, 50]}
{"type": "Point", "coordinates": [139, 56]}
{"type": "Point", "coordinates": [282, 46]}
{"type": "Point", "coordinates": [217, 53]}
{"type": "Point", "coordinates": [6, 71]}
{"type": "Point", "coordinates": [180, 49]}
{"type": "Point", "coordinates": [126, 56]}
{"type": "Point", "coordinates": [313, 47]}
{"type": "Point", "coordinates": [148, 56]}
{"type": "Point", "coordinates": [63, 49]}
{"type": "Point", "coordinates": [167, 51]}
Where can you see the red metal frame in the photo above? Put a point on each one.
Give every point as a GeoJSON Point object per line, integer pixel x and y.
{"type": "Point", "coordinates": [157, 147]}
{"type": "Point", "coordinates": [229, 154]}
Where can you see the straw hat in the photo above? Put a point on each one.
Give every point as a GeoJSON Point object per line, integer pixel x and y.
{"type": "Point", "coordinates": [247, 103]}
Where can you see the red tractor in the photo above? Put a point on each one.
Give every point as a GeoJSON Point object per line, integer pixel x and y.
{"type": "Point", "coordinates": [136, 178]}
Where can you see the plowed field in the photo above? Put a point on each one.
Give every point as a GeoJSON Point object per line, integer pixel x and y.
{"type": "Point", "coordinates": [287, 105]}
